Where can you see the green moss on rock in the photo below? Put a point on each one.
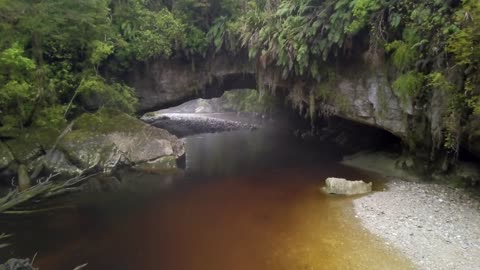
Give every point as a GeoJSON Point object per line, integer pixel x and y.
{"type": "Point", "coordinates": [32, 143]}
{"type": "Point", "coordinates": [6, 157]}
{"type": "Point", "coordinates": [107, 121]}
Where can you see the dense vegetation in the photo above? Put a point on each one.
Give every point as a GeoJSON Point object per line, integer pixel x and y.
{"type": "Point", "coordinates": [55, 55]}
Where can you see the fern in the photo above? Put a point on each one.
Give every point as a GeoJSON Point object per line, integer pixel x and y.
{"type": "Point", "coordinates": [408, 85]}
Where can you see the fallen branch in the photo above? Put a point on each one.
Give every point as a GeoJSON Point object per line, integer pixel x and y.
{"type": "Point", "coordinates": [44, 190]}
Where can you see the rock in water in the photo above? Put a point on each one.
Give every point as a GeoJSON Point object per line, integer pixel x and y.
{"type": "Point", "coordinates": [17, 264]}
{"type": "Point", "coordinates": [345, 187]}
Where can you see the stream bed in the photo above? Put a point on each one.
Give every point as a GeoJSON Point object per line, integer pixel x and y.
{"type": "Point", "coordinates": [246, 200]}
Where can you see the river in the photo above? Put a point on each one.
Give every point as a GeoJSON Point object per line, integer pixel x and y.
{"type": "Point", "coordinates": [246, 200]}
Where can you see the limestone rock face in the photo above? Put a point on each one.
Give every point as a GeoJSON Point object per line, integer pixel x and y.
{"type": "Point", "coordinates": [362, 93]}
{"type": "Point", "coordinates": [165, 83]}
{"type": "Point", "coordinates": [342, 186]}
{"type": "Point", "coordinates": [365, 96]}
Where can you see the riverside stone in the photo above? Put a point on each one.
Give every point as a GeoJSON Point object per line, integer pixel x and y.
{"type": "Point", "coordinates": [107, 140]}
{"type": "Point", "coordinates": [342, 186]}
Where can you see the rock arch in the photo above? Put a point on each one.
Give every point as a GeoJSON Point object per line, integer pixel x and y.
{"type": "Point", "coordinates": [160, 84]}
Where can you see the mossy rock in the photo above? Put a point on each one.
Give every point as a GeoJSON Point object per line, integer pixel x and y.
{"type": "Point", "coordinates": [32, 144]}
{"type": "Point", "coordinates": [107, 121]}
{"type": "Point", "coordinates": [6, 157]}
{"type": "Point", "coordinates": [88, 150]}
{"type": "Point", "coordinates": [119, 126]}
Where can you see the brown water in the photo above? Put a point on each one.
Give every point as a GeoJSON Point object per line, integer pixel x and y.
{"type": "Point", "coordinates": [247, 201]}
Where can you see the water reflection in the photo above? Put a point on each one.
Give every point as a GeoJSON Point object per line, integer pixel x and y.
{"type": "Point", "coordinates": [247, 152]}
{"type": "Point", "coordinates": [247, 200]}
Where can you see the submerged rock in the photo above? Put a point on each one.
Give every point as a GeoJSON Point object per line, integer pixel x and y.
{"type": "Point", "coordinates": [17, 264]}
{"type": "Point", "coordinates": [342, 186]}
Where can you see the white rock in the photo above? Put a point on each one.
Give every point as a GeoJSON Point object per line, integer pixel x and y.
{"type": "Point", "coordinates": [345, 187]}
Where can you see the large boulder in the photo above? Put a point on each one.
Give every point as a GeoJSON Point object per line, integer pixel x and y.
{"type": "Point", "coordinates": [24, 150]}
{"type": "Point", "coordinates": [90, 151]}
{"type": "Point", "coordinates": [106, 140]}
{"type": "Point", "coordinates": [54, 161]}
{"type": "Point", "coordinates": [342, 186]}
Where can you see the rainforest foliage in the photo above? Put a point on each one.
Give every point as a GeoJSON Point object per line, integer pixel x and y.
{"type": "Point", "coordinates": [55, 55]}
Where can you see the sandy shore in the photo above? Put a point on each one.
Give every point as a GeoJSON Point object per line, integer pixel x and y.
{"type": "Point", "coordinates": [436, 226]}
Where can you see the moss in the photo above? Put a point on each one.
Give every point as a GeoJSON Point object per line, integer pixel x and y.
{"type": "Point", "coordinates": [32, 143]}
{"type": "Point", "coordinates": [78, 136]}
{"type": "Point", "coordinates": [107, 121]}
{"type": "Point", "coordinates": [6, 156]}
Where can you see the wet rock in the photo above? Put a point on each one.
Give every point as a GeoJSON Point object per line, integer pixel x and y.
{"type": "Point", "coordinates": [6, 157]}
{"type": "Point", "coordinates": [56, 161]}
{"type": "Point", "coordinates": [25, 151]}
{"type": "Point", "coordinates": [32, 143]}
{"type": "Point", "coordinates": [17, 264]}
{"type": "Point", "coordinates": [157, 166]}
{"type": "Point", "coordinates": [342, 186]}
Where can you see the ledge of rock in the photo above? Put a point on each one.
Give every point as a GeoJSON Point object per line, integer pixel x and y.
{"type": "Point", "coordinates": [342, 186]}
{"type": "Point", "coordinates": [107, 140]}
{"type": "Point", "coordinates": [99, 142]}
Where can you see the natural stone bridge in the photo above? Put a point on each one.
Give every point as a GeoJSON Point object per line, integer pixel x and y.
{"type": "Point", "coordinates": [362, 91]}
{"type": "Point", "coordinates": [161, 84]}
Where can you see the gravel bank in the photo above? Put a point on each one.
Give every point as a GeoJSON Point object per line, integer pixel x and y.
{"type": "Point", "coordinates": [436, 226]}
{"type": "Point", "coordinates": [186, 124]}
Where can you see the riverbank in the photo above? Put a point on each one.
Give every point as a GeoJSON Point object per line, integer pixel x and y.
{"type": "Point", "coordinates": [187, 124]}
{"type": "Point", "coordinates": [436, 226]}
